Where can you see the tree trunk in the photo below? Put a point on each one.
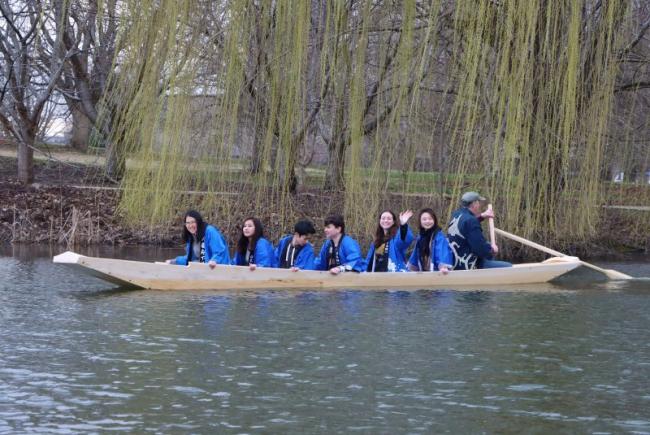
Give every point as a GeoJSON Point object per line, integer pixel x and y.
{"type": "Point", "coordinates": [115, 164]}
{"type": "Point", "coordinates": [81, 127]}
{"type": "Point", "coordinates": [26, 159]}
{"type": "Point", "coordinates": [336, 148]}
{"type": "Point", "coordinates": [334, 175]}
{"type": "Point", "coordinates": [258, 145]}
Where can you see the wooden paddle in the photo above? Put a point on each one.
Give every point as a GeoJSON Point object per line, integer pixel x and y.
{"type": "Point", "coordinates": [491, 227]}
{"type": "Point", "coordinates": [611, 274]}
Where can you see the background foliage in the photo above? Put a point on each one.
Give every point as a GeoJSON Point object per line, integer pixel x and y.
{"type": "Point", "coordinates": [535, 104]}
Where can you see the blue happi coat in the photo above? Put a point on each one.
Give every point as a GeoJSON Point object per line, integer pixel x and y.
{"type": "Point", "coordinates": [349, 255]}
{"type": "Point", "coordinates": [440, 253]}
{"type": "Point", "coordinates": [263, 255]}
{"type": "Point", "coordinates": [305, 258]}
{"type": "Point", "coordinates": [396, 252]}
{"type": "Point", "coordinates": [467, 241]}
{"type": "Point", "coordinates": [214, 245]}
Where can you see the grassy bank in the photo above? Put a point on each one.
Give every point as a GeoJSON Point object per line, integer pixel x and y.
{"type": "Point", "coordinates": [70, 206]}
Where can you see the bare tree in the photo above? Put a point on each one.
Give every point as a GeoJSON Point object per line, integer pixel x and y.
{"type": "Point", "coordinates": [27, 84]}
{"type": "Point", "coordinates": [89, 34]}
{"type": "Point", "coordinates": [629, 134]}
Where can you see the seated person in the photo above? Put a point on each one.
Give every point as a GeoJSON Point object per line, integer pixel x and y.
{"type": "Point", "coordinates": [340, 252]}
{"type": "Point", "coordinates": [294, 251]}
{"type": "Point", "coordinates": [387, 253]}
{"type": "Point", "coordinates": [253, 249]}
{"type": "Point", "coordinates": [471, 250]}
{"type": "Point", "coordinates": [432, 251]}
{"type": "Point", "coordinates": [203, 242]}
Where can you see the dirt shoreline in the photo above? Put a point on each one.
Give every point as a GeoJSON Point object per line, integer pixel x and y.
{"type": "Point", "coordinates": [70, 206]}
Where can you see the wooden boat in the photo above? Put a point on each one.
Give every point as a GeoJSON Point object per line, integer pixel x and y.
{"type": "Point", "coordinates": [198, 276]}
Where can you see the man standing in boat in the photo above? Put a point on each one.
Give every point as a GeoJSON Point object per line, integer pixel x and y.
{"type": "Point", "coordinates": [295, 252]}
{"type": "Point", "coordinates": [340, 252]}
{"type": "Point", "coordinates": [471, 250]}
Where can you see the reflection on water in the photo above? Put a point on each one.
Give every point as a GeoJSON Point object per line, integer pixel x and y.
{"type": "Point", "coordinates": [78, 355]}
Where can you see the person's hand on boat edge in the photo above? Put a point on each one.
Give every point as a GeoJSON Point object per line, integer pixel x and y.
{"type": "Point", "coordinates": [444, 270]}
{"type": "Point", "coordinates": [335, 270]}
{"type": "Point", "coordinates": [212, 264]}
{"type": "Point", "coordinates": [294, 269]}
{"type": "Point", "coordinates": [252, 267]}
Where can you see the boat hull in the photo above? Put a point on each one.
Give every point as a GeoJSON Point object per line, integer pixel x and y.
{"type": "Point", "coordinates": [196, 276]}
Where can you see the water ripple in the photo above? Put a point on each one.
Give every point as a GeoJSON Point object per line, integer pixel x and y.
{"type": "Point", "coordinates": [75, 358]}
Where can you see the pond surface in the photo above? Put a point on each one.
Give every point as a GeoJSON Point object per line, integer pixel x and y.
{"type": "Point", "coordinates": [78, 355]}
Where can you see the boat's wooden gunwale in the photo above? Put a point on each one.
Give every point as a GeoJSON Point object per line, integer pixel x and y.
{"type": "Point", "coordinates": [196, 276]}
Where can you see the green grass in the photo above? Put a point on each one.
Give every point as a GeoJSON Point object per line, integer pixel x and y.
{"type": "Point", "coordinates": [232, 171]}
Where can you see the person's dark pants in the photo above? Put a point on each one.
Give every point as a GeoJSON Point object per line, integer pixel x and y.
{"type": "Point", "coordinates": [493, 264]}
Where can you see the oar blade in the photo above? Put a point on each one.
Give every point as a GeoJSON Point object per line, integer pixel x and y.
{"type": "Point", "coordinates": [615, 274]}
{"type": "Point", "coordinates": [609, 273]}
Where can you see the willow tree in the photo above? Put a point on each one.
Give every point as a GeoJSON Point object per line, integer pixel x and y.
{"type": "Point", "coordinates": [283, 76]}
{"type": "Point", "coordinates": [535, 83]}
{"type": "Point", "coordinates": [226, 96]}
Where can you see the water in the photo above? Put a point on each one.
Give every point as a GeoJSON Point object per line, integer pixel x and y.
{"type": "Point", "coordinates": [80, 356]}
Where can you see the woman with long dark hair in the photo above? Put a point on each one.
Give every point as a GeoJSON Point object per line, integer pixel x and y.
{"type": "Point", "coordinates": [252, 248]}
{"type": "Point", "coordinates": [432, 251]}
{"type": "Point", "coordinates": [387, 253]}
{"type": "Point", "coordinates": [203, 242]}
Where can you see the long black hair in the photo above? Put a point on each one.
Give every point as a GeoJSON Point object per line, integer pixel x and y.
{"type": "Point", "coordinates": [200, 226]}
{"type": "Point", "coordinates": [433, 215]}
{"type": "Point", "coordinates": [380, 236]}
{"type": "Point", "coordinates": [424, 244]}
{"type": "Point", "coordinates": [242, 243]}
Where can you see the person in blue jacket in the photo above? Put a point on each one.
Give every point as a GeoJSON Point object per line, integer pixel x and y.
{"type": "Point", "coordinates": [340, 252]}
{"type": "Point", "coordinates": [432, 251]}
{"type": "Point", "coordinates": [294, 251]}
{"type": "Point", "coordinates": [253, 249]}
{"type": "Point", "coordinates": [387, 253]}
{"type": "Point", "coordinates": [203, 242]}
{"type": "Point", "coordinates": [471, 250]}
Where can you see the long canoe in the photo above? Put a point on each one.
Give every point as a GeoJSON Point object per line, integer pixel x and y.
{"type": "Point", "coordinates": [198, 276]}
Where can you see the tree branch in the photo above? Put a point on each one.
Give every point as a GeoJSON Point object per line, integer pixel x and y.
{"type": "Point", "coordinates": [40, 103]}
{"type": "Point", "coordinates": [644, 28]}
{"type": "Point", "coordinates": [634, 86]}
